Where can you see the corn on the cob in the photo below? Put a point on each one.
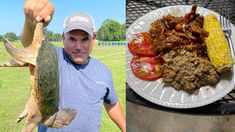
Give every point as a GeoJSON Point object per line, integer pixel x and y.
{"type": "Point", "coordinates": [217, 46]}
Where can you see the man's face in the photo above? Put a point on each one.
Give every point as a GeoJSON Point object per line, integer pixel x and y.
{"type": "Point", "coordinates": [78, 45]}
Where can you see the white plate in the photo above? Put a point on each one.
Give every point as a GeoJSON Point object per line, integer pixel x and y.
{"type": "Point", "coordinates": [156, 91]}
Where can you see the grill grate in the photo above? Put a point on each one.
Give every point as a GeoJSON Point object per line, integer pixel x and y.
{"type": "Point", "coordinates": [138, 8]}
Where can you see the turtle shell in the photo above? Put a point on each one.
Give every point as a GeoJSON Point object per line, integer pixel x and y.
{"type": "Point", "coordinates": [47, 74]}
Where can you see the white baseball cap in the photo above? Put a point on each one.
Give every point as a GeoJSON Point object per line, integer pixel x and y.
{"type": "Point", "coordinates": [79, 20]}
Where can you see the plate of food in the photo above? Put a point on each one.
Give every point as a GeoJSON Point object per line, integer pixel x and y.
{"type": "Point", "coordinates": [171, 57]}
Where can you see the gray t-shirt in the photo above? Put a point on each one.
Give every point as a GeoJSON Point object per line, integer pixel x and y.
{"type": "Point", "coordinates": [84, 88]}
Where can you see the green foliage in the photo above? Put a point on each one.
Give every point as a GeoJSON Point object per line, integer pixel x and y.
{"type": "Point", "coordinates": [1, 38]}
{"type": "Point", "coordinates": [51, 36]}
{"type": "Point", "coordinates": [111, 30]}
{"type": "Point", "coordinates": [11, 36]}
{"type": "Point", "coordinates": [57, 37]}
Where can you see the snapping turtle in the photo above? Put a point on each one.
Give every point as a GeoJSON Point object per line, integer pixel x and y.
{"type": "Point", "coordinates": [42, 106]}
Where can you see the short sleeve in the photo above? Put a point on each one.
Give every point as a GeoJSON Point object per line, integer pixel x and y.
{"type": "Point", "coordinates": [110, 96]}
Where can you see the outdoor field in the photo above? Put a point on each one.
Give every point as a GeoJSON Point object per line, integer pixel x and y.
{"type": "Point", "coordinates": [15, 86]}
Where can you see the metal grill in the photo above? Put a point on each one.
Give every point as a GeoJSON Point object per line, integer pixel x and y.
{"type": "Point", "coordinates": [138, 8]}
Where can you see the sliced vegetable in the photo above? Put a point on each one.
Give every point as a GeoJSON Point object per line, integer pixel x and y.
{"type": "Point", "coordinates": [140, 45]}
{"type": "Point", "coordinates": [147, 68]}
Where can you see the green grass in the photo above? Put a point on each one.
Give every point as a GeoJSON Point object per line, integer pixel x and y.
{"type": "Point", "coordinates": [15, 86]}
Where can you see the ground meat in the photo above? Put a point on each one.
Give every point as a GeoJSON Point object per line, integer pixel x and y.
{"type": "Point", "coordinates": [185, 70]}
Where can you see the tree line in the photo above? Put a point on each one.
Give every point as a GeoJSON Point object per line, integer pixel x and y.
{"type": "Point", "coordinates": [110, 30]}
{"type": "Point", "coordinates": [50, 35]}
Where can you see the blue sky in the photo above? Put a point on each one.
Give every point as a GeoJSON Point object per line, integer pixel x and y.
{"type": "Point", "coordinates": [12, 16]}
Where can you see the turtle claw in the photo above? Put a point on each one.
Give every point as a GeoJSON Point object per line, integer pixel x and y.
{"type": "Point", "coordinates": [33, 119]}
{"type": "Point", "coordinates": [60, 118]}
{"type": "Point", "coordinates": [22, 115]}
{"type": "Point", "coordinates": [14, 63]}
{"type": "Point", "coordinates": [31, 123]}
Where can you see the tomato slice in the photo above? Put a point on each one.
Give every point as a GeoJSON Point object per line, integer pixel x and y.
{"type": "Point", "coordinates": [140, 45]}
{"type": "Point", "coordinates": [147, 68]}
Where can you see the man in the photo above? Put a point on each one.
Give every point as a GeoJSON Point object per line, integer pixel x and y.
{"type": "Point", "coordinates": [85, 82]}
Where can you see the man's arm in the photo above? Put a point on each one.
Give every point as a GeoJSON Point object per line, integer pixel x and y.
{"type": "Point", "coordinates": [35, 11]}
{"type": "Point", "coordinates": [116, 113]}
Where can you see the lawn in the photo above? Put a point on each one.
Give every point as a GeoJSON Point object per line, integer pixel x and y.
{"type": "Point", "coordinates": [15, 86]}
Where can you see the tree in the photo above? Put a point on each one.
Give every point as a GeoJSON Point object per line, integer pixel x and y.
{"type": "Point", "coordinates": [1, 38]}
{"type": "Point", "coordinates": [111, 30]}
{"type": "Point", "coordinates": [56, 37]}
{"type": "Point", "coordinates": [123, 32]}
{"type": "Point", "coordinates": [11, 36]}
{"type": "Point", "coordinates": [49, 35]}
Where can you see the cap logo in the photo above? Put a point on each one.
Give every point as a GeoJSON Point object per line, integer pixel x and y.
{"type": "Point", "coordinates": [79, 19]}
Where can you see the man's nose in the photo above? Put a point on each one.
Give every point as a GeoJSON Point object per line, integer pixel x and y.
{"type": "Point", "coordinates": [78, 46]}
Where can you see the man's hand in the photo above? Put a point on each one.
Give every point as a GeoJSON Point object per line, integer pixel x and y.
{"type": "Point", "coordinates": [38, 10]}
{"type": "Point", "coordinates": [35, 11]}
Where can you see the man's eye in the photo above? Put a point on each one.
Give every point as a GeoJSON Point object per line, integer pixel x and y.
{"type": "Point", "coordinates": [72, 39]}
{"type": "Point", "coordinates": [85, 39]}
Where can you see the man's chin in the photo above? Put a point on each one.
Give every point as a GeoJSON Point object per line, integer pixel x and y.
{"type": "Point", "coordinates": [80, 61]}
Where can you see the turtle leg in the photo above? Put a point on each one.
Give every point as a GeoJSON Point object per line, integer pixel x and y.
{"type": "Point", "coordinates": [32, 122]}
{"type": "Point", "coordinates": [14, 63]}
{"type": "Point", "coordinates": [60, 118]}
{"type": "Point", "coordinates": [32, 113]}
{"type": "Point", "coordinates": [20, 54]}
